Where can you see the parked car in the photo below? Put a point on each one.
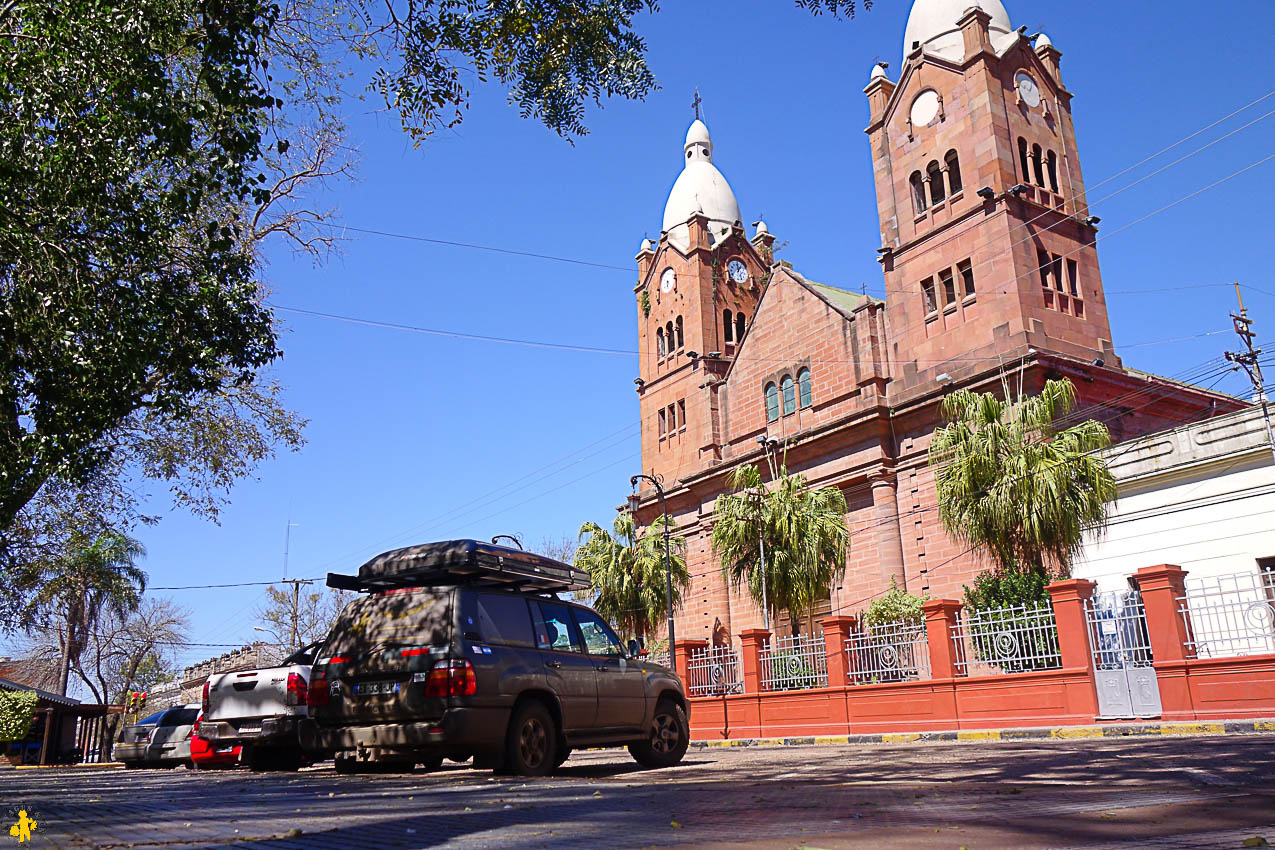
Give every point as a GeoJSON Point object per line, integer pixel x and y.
{"type": "Point", "coordinates": [464, 649]}
{"type": "Point", "coordinates": [259, 710]}
{"type": "Point", "coordinates": [160, 740]}
{"type": "Point", "coordinates": [206, 755]}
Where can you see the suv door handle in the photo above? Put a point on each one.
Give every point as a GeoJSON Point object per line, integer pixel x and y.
{"type": "Point", "coordinates": [553, 664]}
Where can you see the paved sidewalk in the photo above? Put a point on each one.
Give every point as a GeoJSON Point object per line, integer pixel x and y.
{"type": "Point", "coordinates": [1136, 792]}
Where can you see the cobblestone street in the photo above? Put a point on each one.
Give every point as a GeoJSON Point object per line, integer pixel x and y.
{"type": "Point", "coordinates": [1143, 792]}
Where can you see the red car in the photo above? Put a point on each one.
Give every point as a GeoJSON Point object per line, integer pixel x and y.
{"type": "Point", "coordinates": [205, 755]}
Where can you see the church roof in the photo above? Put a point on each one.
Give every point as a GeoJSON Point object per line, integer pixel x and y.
{"type": "Point", "coordinates": [932, 24]}
{"type": "Point", "coordinates": [843, 301]}
{"type": "Point", "coordinates": [700, 188]}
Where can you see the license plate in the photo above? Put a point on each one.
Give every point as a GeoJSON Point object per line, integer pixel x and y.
{"type": "Point", "coordinates": [372, 688]}
{"type": "Point", "coordinates": [250, 728]}
{"type": "Point", "coordinates": [223, 750]}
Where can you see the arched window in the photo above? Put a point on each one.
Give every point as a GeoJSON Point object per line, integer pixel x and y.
{"type": "Point", "coordinates": [790, 394]}
{"type": "Point", "coordinates": [728, 325]}
{"type": "Point", "coordinates": [659, 341]}
{"type": "Point", "coordinates": [740, 326]}
{"type": "Point", "coordinates": [953, 172]}
{"type": "Point", "coordinates": [803, 386]}
{"type": "Point", "coordinates": [935, 172]}
{"type": "Point", "coordinates": [680, 342]}
{"type": "Point", "coordinates": [1051, 161]}
{"type": "Point", "coordinates": [1022, 156]}
{"type": "Point", "coordinates": [1037, 156]}
{"type": "Point", "coordinates": [669, 345]}
{"type": "Point", "coordinates": [918, 193]}
{"type": "Point", "coordinates": [772, 403]}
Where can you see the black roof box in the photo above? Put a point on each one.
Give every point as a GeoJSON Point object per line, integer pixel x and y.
{"type": "Point", "coordinates": [462, 562]}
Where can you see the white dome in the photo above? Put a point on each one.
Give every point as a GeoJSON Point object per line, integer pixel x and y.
{"type": "Point", "coordinates": [933, 24]}
{"type": "Point", "coordinates": [700, 188]}
{"type": "Point", "coordinates": [878, 73]}
{"type": "Point", "coordinates": [1043, 41]}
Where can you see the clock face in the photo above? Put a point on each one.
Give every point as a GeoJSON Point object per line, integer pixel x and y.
{"type": "Point", "coordinates": [925, 108]}
{"type": "Point", "coordinates": [1028, 90]}
{"type": "Point", "coordinates": [738, 271]}
{"type": "Point", "coordinates": [668, 280]}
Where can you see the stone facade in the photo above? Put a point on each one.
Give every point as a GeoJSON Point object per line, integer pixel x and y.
{"type": "Point", "coordinates": [992, 282]}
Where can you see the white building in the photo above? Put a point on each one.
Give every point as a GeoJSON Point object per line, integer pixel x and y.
{"type": "Point", "coordinates": [1201, 496]}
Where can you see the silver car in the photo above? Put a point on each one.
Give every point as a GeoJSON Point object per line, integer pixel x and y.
{"type": "Point", "coordinates": [160, 740]}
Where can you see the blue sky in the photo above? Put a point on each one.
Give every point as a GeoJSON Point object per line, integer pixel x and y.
{"type": "Point", "coordinates": [415, 437]}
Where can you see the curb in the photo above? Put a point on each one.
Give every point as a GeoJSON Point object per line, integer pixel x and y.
{"type": "Point", "coordinates": [82, 766]}
{"type": "Point", "coordinates": [1122, 730]}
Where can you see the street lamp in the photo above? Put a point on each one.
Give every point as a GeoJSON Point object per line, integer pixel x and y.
{"type": "Point", "coordinates": [634, 501]}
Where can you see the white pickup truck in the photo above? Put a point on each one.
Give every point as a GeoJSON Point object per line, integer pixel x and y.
{"type": "Point", "coordinates": [260, 710]}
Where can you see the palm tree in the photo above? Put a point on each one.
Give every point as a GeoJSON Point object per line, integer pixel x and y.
{"type": "Point", "coordinates": [627, 572]}
{"type": "Point", "coordinates": [802, 531]}
{"type": "Point", "coordinates": [1015, 484]}
{"type": "Point", "coordinates": [76, 586]}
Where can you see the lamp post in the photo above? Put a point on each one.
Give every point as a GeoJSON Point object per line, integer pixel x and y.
{"type": "Point", "coordinates": [634, 501]}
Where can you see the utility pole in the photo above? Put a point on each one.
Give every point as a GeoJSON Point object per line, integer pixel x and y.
{"type": "Point", "coordinates": [296, 605]}
{"type": "Point", "coordinates": [1249, 360]}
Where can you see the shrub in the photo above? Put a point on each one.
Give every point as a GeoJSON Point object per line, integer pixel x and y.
{"type": "Point", "coordinates": [17, 714]}
{"type": "Point", "coordinates": [896, 605]}
{"type": "Point", "coordinates": [1005, 588]}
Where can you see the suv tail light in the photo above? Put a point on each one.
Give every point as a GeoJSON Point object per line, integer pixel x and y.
{"type": "Point", "coordinates": [297, 691]}
{"type": "Point", "coordinates": [205, 698]}
{"type": "Point", "coordinates": [452, 678]}
{"type": "Point", "coordinates": [318, 691]}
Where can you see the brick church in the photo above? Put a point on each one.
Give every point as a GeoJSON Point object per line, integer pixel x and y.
{"type": "Point", "coordinates": [992, 279]}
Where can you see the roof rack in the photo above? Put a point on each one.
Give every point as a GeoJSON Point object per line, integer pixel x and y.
{"type": "Point", "coordinates": [462, 562]}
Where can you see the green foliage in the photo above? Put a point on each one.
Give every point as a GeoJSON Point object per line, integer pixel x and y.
{"type": "Point", "coordinates": [70, 591]}
{"type": "Point", "coordinates": [645, 301]}
{"type": "Point", "coordinates": [553, 56]}
{"type": "Point", "coordinates": [626, 570]}
{"type": "Point", "coordinates": [896, 605]}
{"type": "Point", "coordinates": [129, 143]}
{"type": "Point", "coordinates": [1015, 484]}
{"type": "Point", "coordinates": [803, 531]}
{"type": "Point", "coordinates": [17, 714]}
{"type": "Point", "coordinates": [1003, 589]}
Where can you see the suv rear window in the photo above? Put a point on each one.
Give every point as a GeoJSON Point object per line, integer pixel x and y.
{"type": "Point", "coordinates": [504, 619]}
{"type": "Point", "coordinates": [406, 618]}
{"type": "Point", "coordinates": [180, 717]}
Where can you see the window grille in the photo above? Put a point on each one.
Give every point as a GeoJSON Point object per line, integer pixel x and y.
{"type": "Point", "coordinates": [890, 652]}
{"type": "Point", "coordinates": [803, 387]}
{"type": "Point", "coordinates": [790, 395]}
{"type": "Point", "coordinates": [1015, 639]}
{"type": "Point", "coordinates": [714, 671]}
{"type": "Point", "coordinates": [772, 403]}
{"type": "Point", "coordinates": [794, 663]}
{"type": "Point", "coordinates": [1229, 615]}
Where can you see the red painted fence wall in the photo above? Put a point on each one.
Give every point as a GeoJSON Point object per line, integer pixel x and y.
{"type": "Point", "coordinates": [1190, 688]}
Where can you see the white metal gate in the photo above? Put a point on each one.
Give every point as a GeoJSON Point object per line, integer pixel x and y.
{"type": "Point", "coordinates": [1125, 677]}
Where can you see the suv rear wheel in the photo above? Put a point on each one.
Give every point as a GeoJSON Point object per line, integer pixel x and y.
{"type": "Point", "coordinates": [531, 743]}
{"type": "Point", "coordinates": [669, 738]}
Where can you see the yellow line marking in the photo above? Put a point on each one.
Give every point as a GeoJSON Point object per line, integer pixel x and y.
{"type": "Point", "coordinates": [832, 739]}
{"type": "Point", "coordinates": [986, 735]}
{"type": "Point", "coordinates": [900, 737]}
{"type": "Point", "coordinates": [1193, 729]}
{"type": "Point", "coordinates": [1077, 732]}
{"type": "Point", "coordinates": [1264, 726]}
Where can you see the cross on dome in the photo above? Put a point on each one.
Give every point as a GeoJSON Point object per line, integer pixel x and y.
{"type": "Point", "coordinates": [700, 188]}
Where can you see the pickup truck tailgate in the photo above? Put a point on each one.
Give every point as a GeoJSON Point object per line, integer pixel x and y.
{"type": "Point", "coordinates": [256, 693]}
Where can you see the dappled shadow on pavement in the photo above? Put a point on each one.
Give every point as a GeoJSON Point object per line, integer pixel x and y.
{"type": "Point", "coordinates": [603, 799]}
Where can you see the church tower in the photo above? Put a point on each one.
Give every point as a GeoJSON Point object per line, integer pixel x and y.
{"type": "Point", "coordinates": [986, 238]}
{"type": "Point", "coordinates": [696, 293]}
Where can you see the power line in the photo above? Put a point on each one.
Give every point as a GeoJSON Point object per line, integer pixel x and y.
{"type": "Point", "coordinates": [492, 248]}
